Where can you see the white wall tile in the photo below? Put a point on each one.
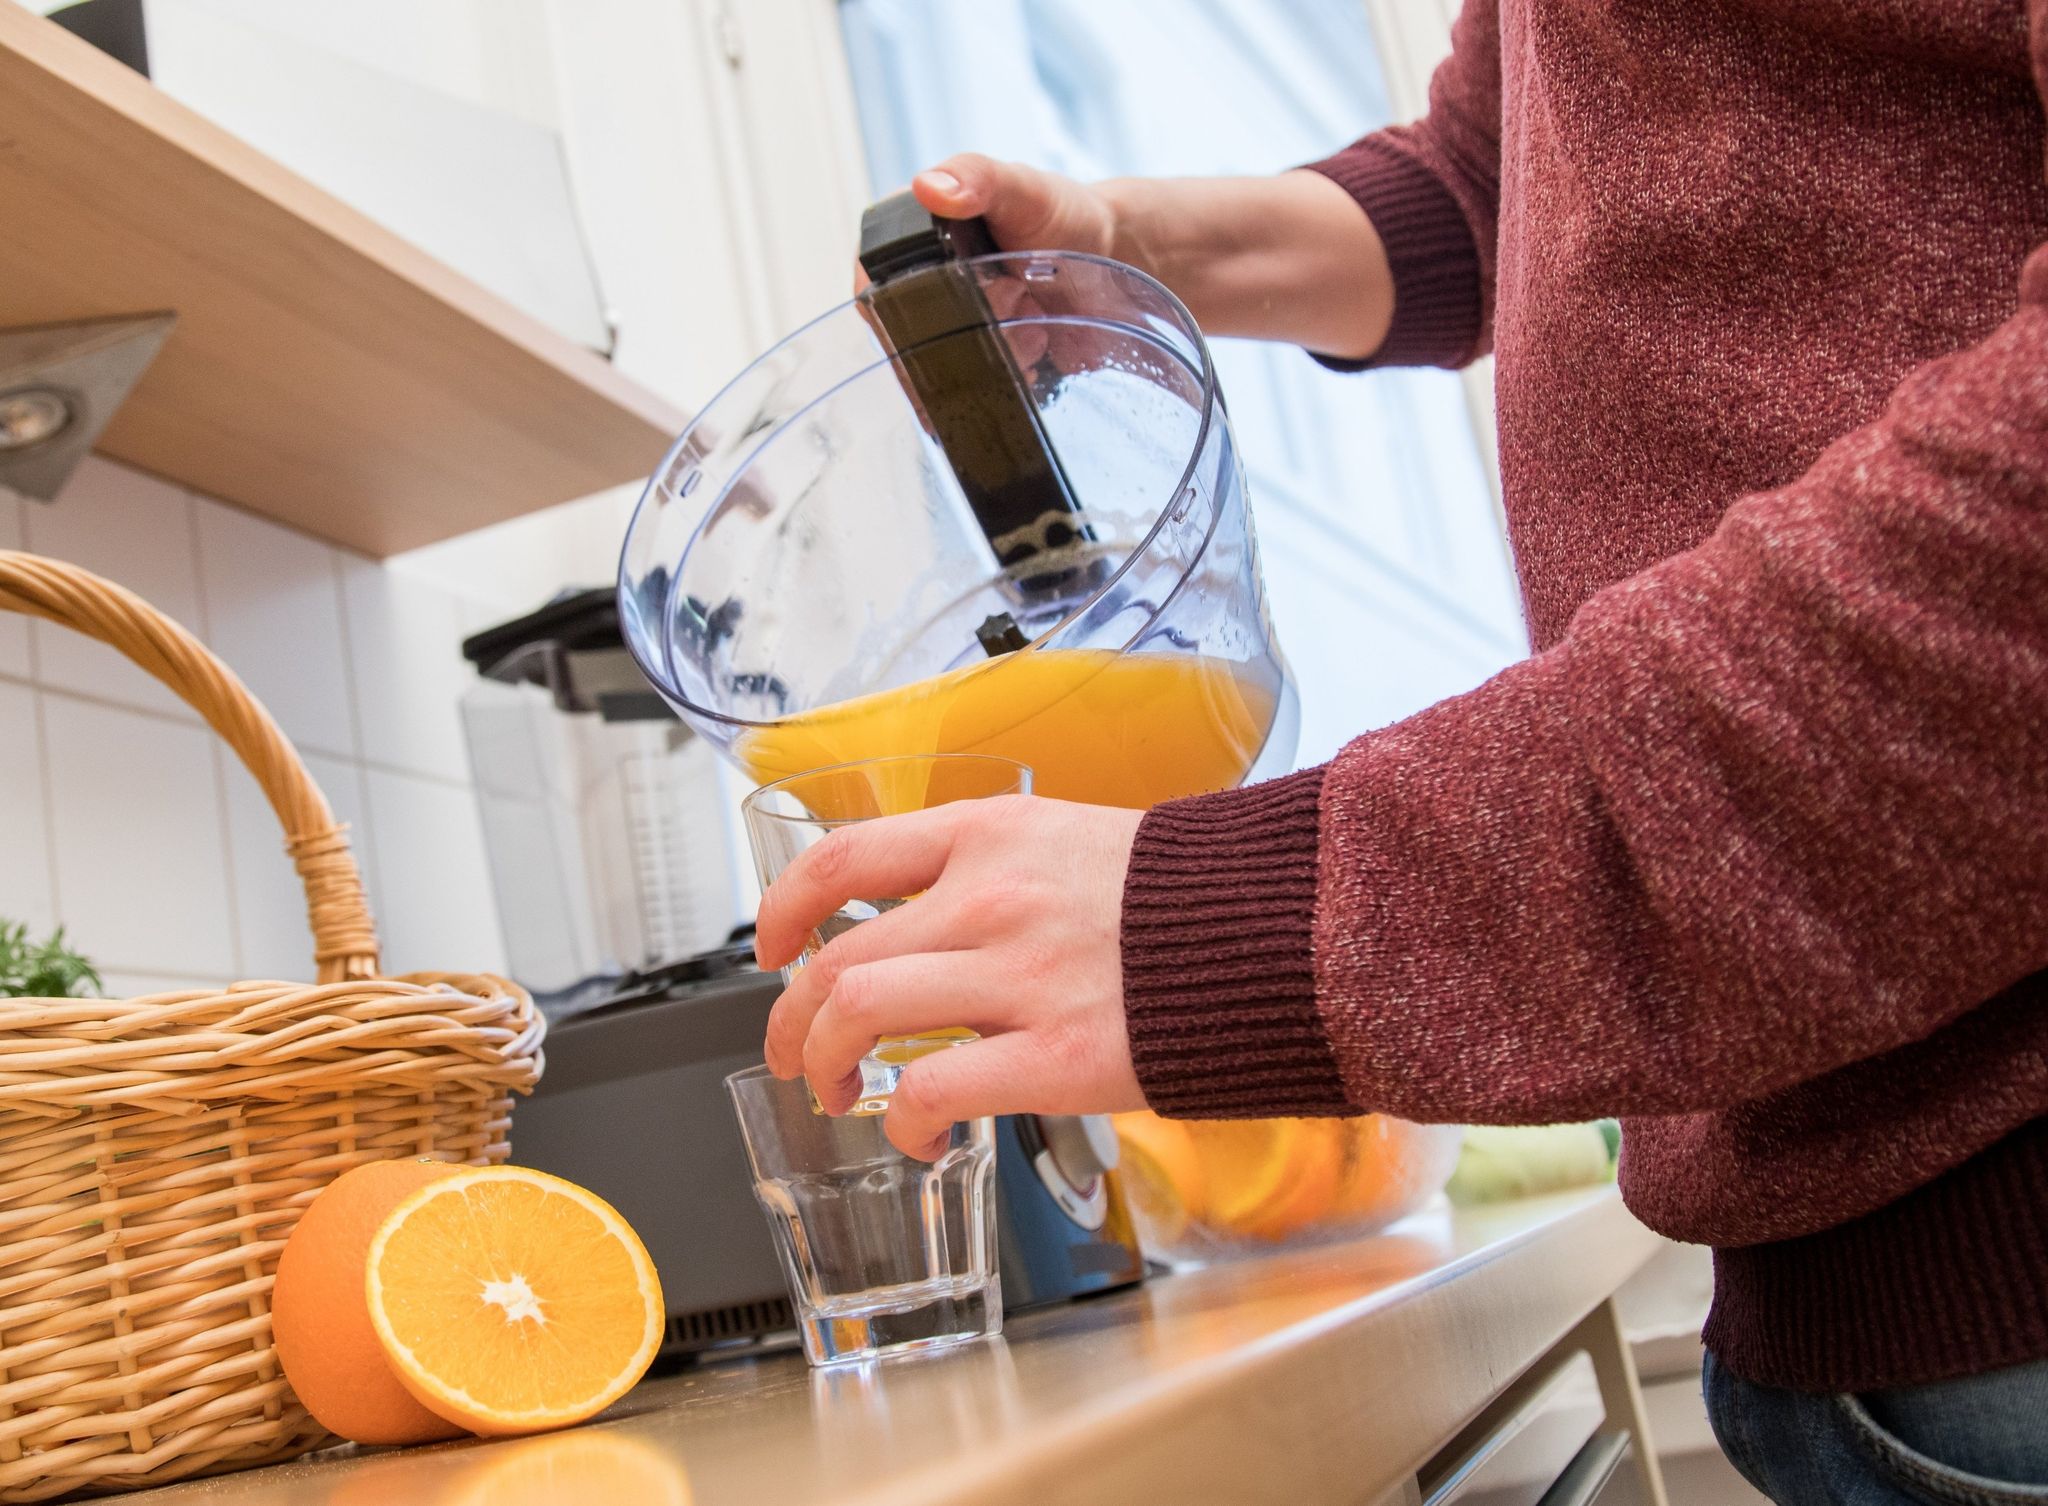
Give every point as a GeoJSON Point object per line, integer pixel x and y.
{"type": "Point", "coordinates": [478, 613]}
{"type": "Point", "coordinates": [432, 877]}
{"type": "Point", "coordinates": [134, 530]}
{"type": "Point", "coordinates": [510, 568]}
{"type": "Point", "coordinates": [270, 904]}
{"type": "Point", "coordinates": [140, 840]}
{"type": "Point", "coordinates": [13, 628]}
{"type": "Point", "coordinates": [405, 658]}
{"type": "Point", "coordinates": [24, 832]}
{"type": "Point", "coordinates": [273, 612]}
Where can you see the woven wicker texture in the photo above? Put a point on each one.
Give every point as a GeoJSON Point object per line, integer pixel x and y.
{"type": "Point", "coordinates": [155, 1152]}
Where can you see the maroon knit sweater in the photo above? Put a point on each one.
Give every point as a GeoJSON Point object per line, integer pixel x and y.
{"type": "Point", "coordinates": [1754, 850]}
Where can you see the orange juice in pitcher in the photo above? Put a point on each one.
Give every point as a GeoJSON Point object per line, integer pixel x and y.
{"type": "Point", "coordinates": [1094, 726]}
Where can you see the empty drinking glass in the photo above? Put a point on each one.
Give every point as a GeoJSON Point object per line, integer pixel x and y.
{"type": "Point", "coordinates": [883, 1254]}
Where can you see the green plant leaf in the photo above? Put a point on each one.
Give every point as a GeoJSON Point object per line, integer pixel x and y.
{"type": "Point", "coordinates": [42, 970]}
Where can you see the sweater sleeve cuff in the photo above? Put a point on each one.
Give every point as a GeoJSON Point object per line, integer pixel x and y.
{"type": "Point", "coordinates": [1219, 972]}
{"type": "Point", "coordinates": [1430, 250]}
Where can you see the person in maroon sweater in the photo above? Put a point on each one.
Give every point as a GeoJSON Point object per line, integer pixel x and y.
{"type": "Point", "coordinates": [1753, 850]}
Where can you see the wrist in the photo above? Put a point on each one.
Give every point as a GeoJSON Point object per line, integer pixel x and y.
{"type": "Point", "coordinates": [1128, 204]}
{"type": "Point", "coordinates": [1420, 299]}
{"type": "Point", "coordinates": [1217, 941]}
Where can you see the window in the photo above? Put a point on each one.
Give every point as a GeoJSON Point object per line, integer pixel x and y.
{"type": "Point", "coordinates": [1389, 577]}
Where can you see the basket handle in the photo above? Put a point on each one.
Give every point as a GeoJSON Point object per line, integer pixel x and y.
{"type": "Point", "coordinates": [344, 939]}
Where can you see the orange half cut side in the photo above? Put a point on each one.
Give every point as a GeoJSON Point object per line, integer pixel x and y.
{"type": "Point", "coordinates": [510, 1301]}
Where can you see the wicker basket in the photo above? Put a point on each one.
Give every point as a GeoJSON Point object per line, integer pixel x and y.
{"type": "Point", "coordinates": [154, 1153]}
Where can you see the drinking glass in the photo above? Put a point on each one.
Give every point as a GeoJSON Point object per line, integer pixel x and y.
{"type": "Point", "coordinates": [883, 1254]}
{"type": "Point", "coordinates": [789, 816]}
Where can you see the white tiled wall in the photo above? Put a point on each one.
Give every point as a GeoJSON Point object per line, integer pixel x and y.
{"type": "Point", "coordinates": [13, 630]}
{"type": "Point", "coordinates": [409, 721]}
{"type": "Point", "coordinates": [136, 832]}
{"type": "Point", "coordinates": [273, 611]}
{"type": "Point", "coordinates": [131, 529]}
{"type": "Point", "coordinates": [24, 828]}
{"type": "Point", "coordinates": [125, 819]}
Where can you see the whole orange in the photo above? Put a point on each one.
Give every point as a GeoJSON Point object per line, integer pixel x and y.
{"type": "Point", "coordinates": [320, 1313]}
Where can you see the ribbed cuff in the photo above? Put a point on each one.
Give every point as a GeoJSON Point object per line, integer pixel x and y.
{"type": "Point", "coordinates": [1219, 971]}
{"type": "Point", "coordinates": [1947, 1281]}
{"type": "Point", "coordinates": [1430, 250]}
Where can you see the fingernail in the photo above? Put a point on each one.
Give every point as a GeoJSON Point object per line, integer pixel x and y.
{"type": "Point", "coordinates": [842, 1095]}
{"type": "Point", "coordinates": [940, 181]}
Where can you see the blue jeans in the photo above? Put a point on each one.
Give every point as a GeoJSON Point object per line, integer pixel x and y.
{"type": "Point", "coordinates": [1979, 1441]}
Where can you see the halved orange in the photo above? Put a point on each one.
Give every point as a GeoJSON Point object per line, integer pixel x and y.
{"type": "Point", "coordinates": [1245, 1165]}
{"type": "Point", "coordinates": [1372, 1168]}
{"type": "Point", "coordinates": [1315, 1169]}
{"type": "Point", "coordinates": [1161, 1171]}
{"type": "Point", "coordinates": [510, 1301]}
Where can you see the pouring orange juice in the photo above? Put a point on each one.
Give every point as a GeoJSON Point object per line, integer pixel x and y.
{"type": "Point", "coordinates": [1086, 725]}
{"type": "Point", "coordinates": [805, 572]}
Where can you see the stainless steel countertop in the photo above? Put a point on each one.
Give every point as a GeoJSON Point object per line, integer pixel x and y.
{"type": "Point", "coordinates": [1329, 1373]}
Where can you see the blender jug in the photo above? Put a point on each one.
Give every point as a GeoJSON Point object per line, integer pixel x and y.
{"type": "Point", "coordinates": [991, 505]}
{"type": "Point", "coordinates": [603, 816]}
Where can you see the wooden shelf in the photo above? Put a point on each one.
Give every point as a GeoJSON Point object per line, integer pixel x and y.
{"type": "Point", "coordinates": [323, 371]}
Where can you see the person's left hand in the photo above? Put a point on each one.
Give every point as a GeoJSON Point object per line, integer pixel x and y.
{"type": "Point", "coordinates": [1013, 933]}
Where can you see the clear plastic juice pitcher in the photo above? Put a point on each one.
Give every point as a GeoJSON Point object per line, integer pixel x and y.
{"type": "Point", "coordinates": [992, 505]}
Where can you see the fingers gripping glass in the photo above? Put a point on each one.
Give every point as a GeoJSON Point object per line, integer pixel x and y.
{"type": "Point", "coordinates": [787, 818]}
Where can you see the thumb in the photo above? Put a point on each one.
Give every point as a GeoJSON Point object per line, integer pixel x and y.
{"type": "Point", "coordinates": [1027, 209]}
{"type": "Point", "coordinates": [962, 186]}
